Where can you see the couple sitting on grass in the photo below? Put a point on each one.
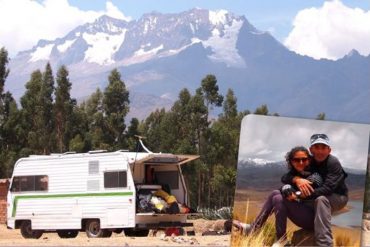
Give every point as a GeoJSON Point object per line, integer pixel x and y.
{"type": "Point", "coordinates": [314, 189]}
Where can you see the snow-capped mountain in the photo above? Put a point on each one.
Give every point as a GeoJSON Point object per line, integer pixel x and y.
{"type": "Point", "coordinates": [159, 54]}
{"type": "Point", "coordinates": [259, 162]}
{"type": "Point", "coordinates": [260, 174]}
{"type": "Point", "coordinates": [110, 41]}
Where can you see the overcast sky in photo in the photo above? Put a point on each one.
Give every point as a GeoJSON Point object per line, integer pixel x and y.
{"type": "Point", "coordinates": [320, 29]}
{"type": "Point", "coordinates": [270, 138]}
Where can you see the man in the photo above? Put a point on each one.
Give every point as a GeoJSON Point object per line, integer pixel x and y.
{"type": "Point", "coordinates": [332, 195]}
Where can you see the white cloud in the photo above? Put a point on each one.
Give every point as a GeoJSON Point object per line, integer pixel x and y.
{"type": "Point", "coordinates": [24, 22]}
{"type": "Point", "coordinates": [330, 31]}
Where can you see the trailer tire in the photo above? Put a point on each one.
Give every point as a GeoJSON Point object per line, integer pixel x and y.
{"type": "Point", "coordinates": [132, 232]}
{"type": "Point", "coordinates": [107, 233]}
{"type": "Point", "coordinates": [118, 231]}
{"type": "Point", "coordinates": [93, 229]}
{"type": "Point", "coordinates": [67, 233]}
{"type": "Point", "coordinates": [27, 232]}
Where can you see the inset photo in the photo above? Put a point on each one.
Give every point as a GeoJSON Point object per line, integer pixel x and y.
{"type": "Point", "coordinates": [300, 182]}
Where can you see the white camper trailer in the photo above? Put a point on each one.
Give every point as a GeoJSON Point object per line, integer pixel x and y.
{"type": "Point", "coordinates": [96, 192]}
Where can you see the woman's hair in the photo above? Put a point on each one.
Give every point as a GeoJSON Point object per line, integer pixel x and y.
{"type": "Point", "coordinates": [289, 155]}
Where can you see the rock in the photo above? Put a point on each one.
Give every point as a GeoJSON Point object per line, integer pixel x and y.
{"type": "Point", "coordinates": [218, 225]}
{"type": "Point", "coordinates": [366, 225]}
{"type": "Point", "coordinates": [303, 238]}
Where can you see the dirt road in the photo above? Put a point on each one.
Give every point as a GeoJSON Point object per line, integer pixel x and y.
{"type": "Point", "coordinates": [14, 238]}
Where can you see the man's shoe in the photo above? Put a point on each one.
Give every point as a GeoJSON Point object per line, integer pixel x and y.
{"type": "Point", "coordinates": [244, 228]}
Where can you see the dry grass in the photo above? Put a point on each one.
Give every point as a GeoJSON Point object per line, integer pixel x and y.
{"type": "Point", "coordinates": [266, 237]}
{"type": "Point", "coordinates": [346, 236]}
{"type": "Point", "coordinates": [263, 237]}
{"type": "Point", "coordinates": [246, 211]}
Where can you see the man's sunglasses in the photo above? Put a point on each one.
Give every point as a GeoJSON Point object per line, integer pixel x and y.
{"type": "Point", "coordinates": [317, 136]}
{"type": "Point", "coordinates": [299, 159]}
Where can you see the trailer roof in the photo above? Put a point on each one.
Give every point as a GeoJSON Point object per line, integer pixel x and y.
{"type": "Point", "coordinates": [133, 157]}
{"type": "Point", "coordinates": [159, 158]}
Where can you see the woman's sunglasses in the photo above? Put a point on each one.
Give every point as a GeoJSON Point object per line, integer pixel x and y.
{"type": "Point", "coordinates": [300, 159]}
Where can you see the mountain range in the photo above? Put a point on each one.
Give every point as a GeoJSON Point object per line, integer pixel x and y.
{"type": "Point", "coordinates": [267, 175]}
{"type": "Point", "coordinates": [160, 54]}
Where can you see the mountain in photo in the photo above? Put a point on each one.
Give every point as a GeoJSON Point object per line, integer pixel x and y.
{"type": "Point", "coordinates": [262, 176]}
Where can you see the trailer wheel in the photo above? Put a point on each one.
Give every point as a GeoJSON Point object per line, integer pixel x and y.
{"type": "Point", "coordinates": [93, 230]}
{"type": "Point", "coordinates": [107, 233]}
{"type": "Point", "coordinates": [67, 233]}
{"type": "Point", "coordinates": [27, 232]}
{"type": "Point", "coordinates": [118, 231]}
{"type": "Point", "coordinates": [132, 232]}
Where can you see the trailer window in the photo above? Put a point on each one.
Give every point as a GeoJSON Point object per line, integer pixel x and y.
{"type": "Point", "coordinates": [168, 177]}
{"type": "Point", "coordinates": [116, 179]}
{"type": "Point", "coordinates": [94, 167]}
{"type": "Point", "coordinates": [30, 183]}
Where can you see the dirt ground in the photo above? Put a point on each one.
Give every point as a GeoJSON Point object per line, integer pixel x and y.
{"type": "Point", "coordinates": [14, 238]}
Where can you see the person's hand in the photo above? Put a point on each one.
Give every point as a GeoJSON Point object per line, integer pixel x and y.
{"type": "Point", "coordinates": [304, 186]}
{"type": "Point", "coordinates": [301, 196]}
{"type": "Point", "coordinates": [292, 197]}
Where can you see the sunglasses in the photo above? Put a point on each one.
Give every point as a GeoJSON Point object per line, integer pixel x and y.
{"type": "Point", "coordinates": [300, 159]}
{"type": "Point", "coordinates": [317, 136]}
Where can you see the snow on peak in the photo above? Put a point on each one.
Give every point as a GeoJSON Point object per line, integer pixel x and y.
{"type": "Point", "coordinates": [150, 24]}
{"type": "Point", "coordinates": [153, 51]}
{"type": "Point", "coordinates": [218, 17]}
{"type": "Point", "coordinates": [259, 161]}
{"type": "Point", "coordinates": [41, 53]}
{"type": "Point", "coordinates": [102, 47]}
{"type": "Point", "coordinates": [63, 47]}
{"type": "Point", "coordinates": [223, 45]}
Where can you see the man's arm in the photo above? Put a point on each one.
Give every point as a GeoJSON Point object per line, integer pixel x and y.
{"type": "Point", "coordinates": [302, 184]}
{"type": "Point", "coordinates": [334, 177]}
{"type": "Point", "coordinates": [287, 178]}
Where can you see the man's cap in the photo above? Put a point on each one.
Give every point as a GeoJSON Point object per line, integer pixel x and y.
{"type": "Point", "coordinates": [319, 138]}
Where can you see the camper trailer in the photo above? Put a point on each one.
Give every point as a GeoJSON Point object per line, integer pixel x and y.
{"type": "Point", "coordinates": [97, 192]}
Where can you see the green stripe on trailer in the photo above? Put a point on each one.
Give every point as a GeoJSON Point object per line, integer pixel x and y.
{"type": "Point", "coordinates": [17, 198]}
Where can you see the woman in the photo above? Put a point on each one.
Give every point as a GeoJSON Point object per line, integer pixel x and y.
{"type": "Point", "coordinates": [285, 204]}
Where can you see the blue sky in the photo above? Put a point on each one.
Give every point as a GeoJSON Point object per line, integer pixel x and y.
{"type": "Point", "coordinates": [320, 29]}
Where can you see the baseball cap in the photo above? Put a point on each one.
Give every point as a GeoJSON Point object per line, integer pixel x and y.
{"type": "Point", "coordinates": [319, 138]}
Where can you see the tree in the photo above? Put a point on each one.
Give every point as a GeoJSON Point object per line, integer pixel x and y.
{"type": "Point", "coordinates": [230, 105]}
{"type": "Point", "coordinates": [210, 93]}
{"type": "Point", "coordinates": [321, 116]}
{"type": "Point", "coordinates": [116, 106]}
{"type": "Point", "coordinates": [9, 136]}
{"type": "Point", "coordinates": [209, 88]}
{"type": "Point", "coordinates": [32, 113]}
{"type": "Point", "coordinates": [132, 130]}
{"type": "Point", "coordinates": [9, 121]}
{"type": "Point", "coordinates": [93, 109]}
{"type": "Point", "coordinates": [262, 110]}
{"type": "Point", "coordinates": [79, 130]}
{"type": "Point", "coordinates": [63, 109]}
{"type": "Point", "coordinates": [46, 98]}
{"type": "Point", "coordinates": [4, 71]}
{"type": "Point", "coordinates": [222, 150]}
{"type": "Point", "coordinates": [159, 129]}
